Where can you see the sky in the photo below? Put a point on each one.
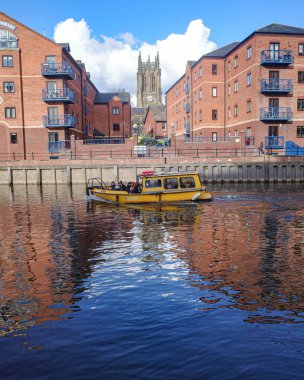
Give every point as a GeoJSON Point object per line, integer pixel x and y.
{"type": "Point", "coordinates": [107, 36]}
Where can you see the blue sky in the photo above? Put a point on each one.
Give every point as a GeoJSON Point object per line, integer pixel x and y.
{"type": "Point", "coordinates": [154, 19]}
{"type": "Point", "coordinates": [108, 35]}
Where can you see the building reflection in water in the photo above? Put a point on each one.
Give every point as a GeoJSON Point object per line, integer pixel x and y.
{"type": "Point", "coordinates": [47, 242]}
{"type": "Point", "coordinates": [241, 253]}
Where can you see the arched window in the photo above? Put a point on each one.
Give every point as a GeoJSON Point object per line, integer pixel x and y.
{"type": "Point", "coordinates": [7, 39]}
{"type": "Point", "coordinates": [153, 83]}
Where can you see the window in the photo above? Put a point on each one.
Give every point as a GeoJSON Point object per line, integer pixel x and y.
{"type": "Point", "coordinates": [153, 83]}
{"type": "Point", "coordinates": [301, 49]}
{"type": "Point", "coordinates": [171, 183]}
{"type": "Point", "coordinates": [214, 114]}
{"type": "Point", "coordinates": [300, 104]}
{"type": "Point", "coordinates": [248, 108]}
{"type": "Point", "coordinates": [194, 75]}
{"type": "Point", "coordinates": [236, 133]}
{"type": "Point", "coordinates": [249, 52]}
{"type": "Point", "coordinates": [214, 136]}
{"type": "Point", "coordinates": [236, 86]}
{"type": "Point", "coordinates": [214, 92]}
{"type": "Point", "coordinates": [164, 127]}
{"type": "Point", "coordinates": [115, 111]}
{"type": "Point", "coordinates": [228, 66]}
{"type": "Point", "coordinates": [249, 79]}
{"type": "Point", "coordinates": [116, 127]}
{"type": "Point", "coordinates": [229, 89]}
{"type": "Point", "coordinates": [186, 182]}
{"type": "Point", "coordinates": [200, 72]}
{"type": "Point", "coordinates": [7, 61]}
{"type": "Point", "coordinates": [153, 183]}
{"type": "Point", "coordinates": [301, 76]}
{"type": "Point", "coordinates": [8, 87]}
{"type": "Point", "coordinates": [14, 138]}
{"type": "Point", "coordinates": [214, 69]}
{"type": "Point", "coordinates": [7, 39]}
{"type": "Point", "coordinates": [236, 110]}
{"type": "Point", "coordinates": [229, 113]}
{"type": "Point", "coordinates": [10, 112]}
{"type": "Point", "coordinates": [236, 61]}
{"type": "Point", "coordinates": [200, 93]}
{"type": "Point", "coordinates": [300, 132]}
{"type": "Point", "coordinates": [201, 115]}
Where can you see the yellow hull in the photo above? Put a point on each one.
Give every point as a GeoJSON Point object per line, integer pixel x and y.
{"type": "Point", "coordinates": [166, 196]}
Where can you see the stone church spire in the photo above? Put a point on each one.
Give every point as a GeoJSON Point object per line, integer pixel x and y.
{"type": "Point", "coordinates": [148, 82]}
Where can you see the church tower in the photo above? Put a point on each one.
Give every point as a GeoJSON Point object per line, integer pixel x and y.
{"type": "Point", "coordinates": [148, 82]}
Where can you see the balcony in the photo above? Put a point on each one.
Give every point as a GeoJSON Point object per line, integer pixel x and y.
{"type": "Point", "coordinates": [57, 70]}
{"type": "Point", "coordinates": [64, 95]}
{"type": "Point", "coordinates": [271, 86]}
{"type": "Point", "coordinates": [187, 107]}
{"type": "Point", "coordinates": [276, 57]}
{"type": "Point", "coordinates": [274, 142]}
{"type": "Point", "coordinates": [57, 146]}
{"type": "Point", "coordinates": [275, 113]}
{"type": "Point", "coordinates": [61, 121]}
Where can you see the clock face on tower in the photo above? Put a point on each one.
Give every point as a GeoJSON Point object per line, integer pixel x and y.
{"type": "Point", "coordinates": [150, 98]}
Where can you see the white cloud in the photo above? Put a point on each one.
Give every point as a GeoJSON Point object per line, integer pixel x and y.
{"type": "Point", "coordinates": [112, 62]}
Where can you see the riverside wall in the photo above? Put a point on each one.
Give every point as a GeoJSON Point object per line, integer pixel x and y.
{"type": "Point", "coordinates": [261, 169]}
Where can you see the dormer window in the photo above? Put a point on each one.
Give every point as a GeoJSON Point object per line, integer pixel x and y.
{"type": "Point", "coordinates": [7, 39]}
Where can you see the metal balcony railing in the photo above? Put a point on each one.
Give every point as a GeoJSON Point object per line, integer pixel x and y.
{"type": "Point", "coordinates": [276, 85]}
{"type": "Point", "coordinates": [276, 57]}
{"type": "Point", "coordinates": [187, 88]}
{"type": "Point", "coordinates": [52, 121]}
{"type": "Point", "coordinates": [59, 95]}
{"type": "Point", "coordinates": [274, 142]}
{"type": "Point", "coordinates": [104, 141]}
{"type": "Point", "coordinates": [58, 70]}
{"type": "Point", "coordinates": [57, 146]}
{"type": "Point", "coordinates": [275, 113]}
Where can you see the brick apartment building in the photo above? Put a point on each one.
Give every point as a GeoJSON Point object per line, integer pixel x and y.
{"type": "Point", "coordinates": [46, 96]}
{"type": "Point", "coordinates": [253, 89]}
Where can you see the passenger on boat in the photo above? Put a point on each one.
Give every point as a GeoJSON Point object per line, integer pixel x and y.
{"type": "Point", "coordinates": [122, 186]}
{"type": "Point", "coordinates": [112, 185]}
{"type": "Point", "coordinates": [117, 186]}
{"type": "Point", "coordinates": [134, 188]}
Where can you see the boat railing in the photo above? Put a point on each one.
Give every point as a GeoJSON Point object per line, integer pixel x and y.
{"type": "Point", "coordinates": [96, 182]}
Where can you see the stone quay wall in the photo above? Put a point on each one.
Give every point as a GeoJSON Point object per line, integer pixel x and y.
{"type": "Point", "coordinates": [237, 169]}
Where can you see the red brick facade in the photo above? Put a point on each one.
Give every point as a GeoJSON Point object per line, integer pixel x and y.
{"type": "Point", "coordinates": [45, 95]}
{"type": "Point", "coordinates": [221, 95]}
{"type": "Point", "coordinates": [155, 122]}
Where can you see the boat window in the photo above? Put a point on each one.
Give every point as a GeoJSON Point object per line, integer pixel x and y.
{"type": "Point", "coordinates": [153, 183]}
{"type": "Point", "coordinates": [171, 183]}
{"type": "Point", "coordinates": [186, 182]}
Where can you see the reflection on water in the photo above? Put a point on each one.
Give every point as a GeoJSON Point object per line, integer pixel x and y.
{"type": "Point", "coordinates": [239, 258]}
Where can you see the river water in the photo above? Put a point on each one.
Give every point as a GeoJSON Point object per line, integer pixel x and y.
{"type": "Point", "coordinates": [198, 291]}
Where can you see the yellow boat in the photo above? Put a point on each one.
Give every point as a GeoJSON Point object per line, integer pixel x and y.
{"type": "Point", "coordinates": [151, 187]}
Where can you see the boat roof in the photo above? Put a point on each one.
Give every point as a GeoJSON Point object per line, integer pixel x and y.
{"type": "Point", "coordinates": [166, 174]}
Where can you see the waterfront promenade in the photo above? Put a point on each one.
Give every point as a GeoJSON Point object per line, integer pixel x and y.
{"type": "Point", "coordinates": [218, 170]}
